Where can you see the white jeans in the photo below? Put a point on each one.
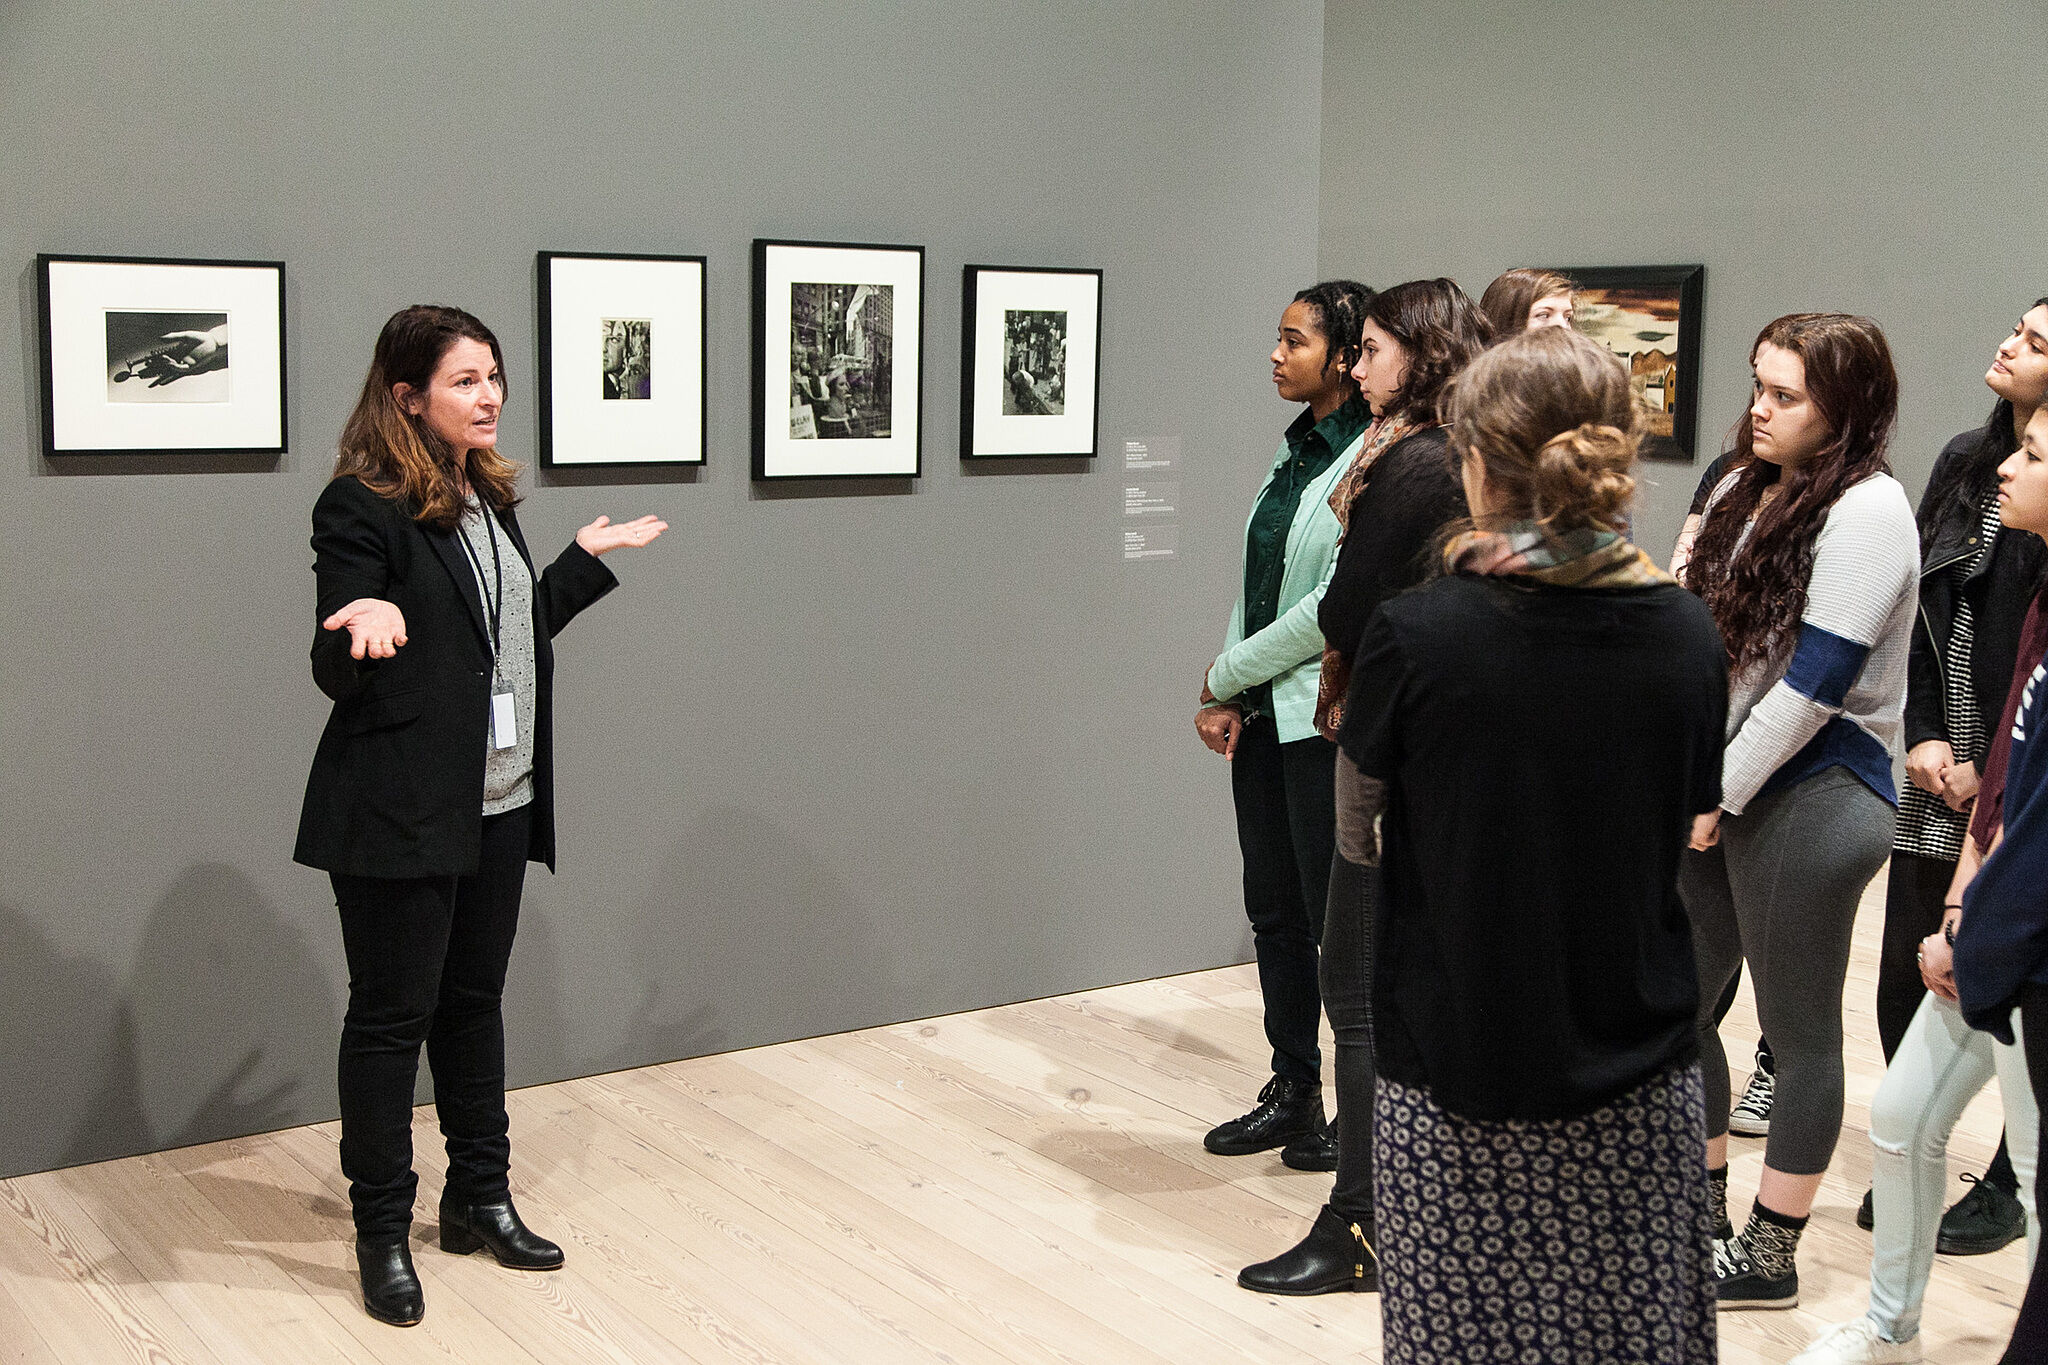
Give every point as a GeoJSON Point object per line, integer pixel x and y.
{"type": "Point", "coordinates": [1940, 1066]}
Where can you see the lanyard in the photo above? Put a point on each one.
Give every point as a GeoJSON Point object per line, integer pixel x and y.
{"type": "Point", "coordinates": [494, 602]}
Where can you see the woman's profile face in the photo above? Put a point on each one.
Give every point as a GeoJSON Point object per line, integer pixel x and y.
{"type": "Point", "coordinates": [1553, 311]}
{"type": "Point", "coordinates": [1382, 368]}
{"type": "Point", "coordinates": [2019, 372]}
{"type": "Point", "coordinates": [1786, 426]}
{"type": "Point", "coordinates": [2023, 479]}
{"type": "Point", "coordinates": [1301, 361]}
{"type": "Point", "coordinates": [461, 401]}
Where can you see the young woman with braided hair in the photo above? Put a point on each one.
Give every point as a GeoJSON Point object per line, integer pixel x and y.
{"type": "Point", "coordinates": [1539, 1103]}
{"type": "Point", "coordinates": [1808, 558]}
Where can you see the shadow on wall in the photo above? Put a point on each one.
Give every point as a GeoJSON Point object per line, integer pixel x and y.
{"type": "Point", "coordinates": [749, 937]}
{"type": "Point", "coordinates": [223, 1024]}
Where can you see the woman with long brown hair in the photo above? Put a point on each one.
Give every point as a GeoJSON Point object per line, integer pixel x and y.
{"type": "Point", "coordinates": [1807, 556]}
{"type": "Point", "coordinates": [1525, 299]}
{"type": "Point", "coordinates": [433, 783]}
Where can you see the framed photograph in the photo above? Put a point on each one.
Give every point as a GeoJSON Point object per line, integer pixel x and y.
{"type": "Point", "coordinates": [144, 356]}
{"type": "Point", "coordinates": [1031, 361]}
{"type": "Point", "coordinates": [838, 360]}
{"type": "Point", "coordinates": [1649, 315]}
{"type": "Point", "coordinates": [622, 359]}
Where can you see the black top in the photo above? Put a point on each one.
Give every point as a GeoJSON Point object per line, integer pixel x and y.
{"type": "Point", "coordinates": [1390, 542]}
{"type": "Point", "coordinates": [1999, 591]}
{"type": "Point", "coordinates": [397, 784]}
{"type": "Point", "coordinates": [1709, 481]}
{"type": "Point", "coordinates": [1544, 750]}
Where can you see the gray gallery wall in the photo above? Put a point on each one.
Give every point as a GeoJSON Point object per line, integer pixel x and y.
{"type": "Point", "coordinates": [1833, 155]}
{"type": "Point", "coordinates": [832, 756]}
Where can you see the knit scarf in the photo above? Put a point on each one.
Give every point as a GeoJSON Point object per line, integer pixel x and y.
{"type": "Point", "coordinates": [1579, 558]}
{"type": "Point", "coordinates": [1381, 437]}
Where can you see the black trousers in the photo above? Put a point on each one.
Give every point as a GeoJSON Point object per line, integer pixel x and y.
{"type": "Point", "coordinates": [2029, 1344]}
{"type": "Point", "coordinates": [1286, 798]}
{"type": "Point", "coordinates": [1347, 996]}
{"type": "Point", "coordinates": [426, 964]}
{"type": "Point", "coordinates": [1913, 899]}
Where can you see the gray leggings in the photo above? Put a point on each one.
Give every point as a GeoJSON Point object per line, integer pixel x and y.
{"type": "Point", "coordinates": [1780, 890]}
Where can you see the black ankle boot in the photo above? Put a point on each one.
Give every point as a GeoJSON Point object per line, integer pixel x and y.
{"type": "Point", "coordinates": [496, 1228]}
{"type": "Point", "coordinates": [1287, 1109]}
{"type": "Point", "coordinates": [1316, 1152]}
{"type": "Point", "coordinates": [391, 1291]}
{"type": "Point", "coordinates": [1335, 1257]}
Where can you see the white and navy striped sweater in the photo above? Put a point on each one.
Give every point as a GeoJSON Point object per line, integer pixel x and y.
{"type": "Point", "coordinates": [1837, 696]}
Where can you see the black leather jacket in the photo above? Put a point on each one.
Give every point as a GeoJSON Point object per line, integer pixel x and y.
{"type": "Point", "coordinates": [1999, 592]}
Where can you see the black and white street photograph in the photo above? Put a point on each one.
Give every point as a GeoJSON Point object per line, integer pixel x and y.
{"type": "Point", "coordinates": [628, 357]}
{"type": "Point", "coordinates": [841, 340]}
{"type": "Point", "coordinates": [1034, 362]}
{"type": "Point", "coordinates": [167, 357]}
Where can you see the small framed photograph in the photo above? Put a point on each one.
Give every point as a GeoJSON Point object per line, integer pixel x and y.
{"type": "Point", "coordinates": [838, 360]}
{"type": "Point", "coordinates": [1649, 315]}
{"type": "Point", "coordinates": [147, 356]}
{"type": "Point", "coordinates": [1031, 361]}
{"type": "Point", "coordinates": [622, 360]}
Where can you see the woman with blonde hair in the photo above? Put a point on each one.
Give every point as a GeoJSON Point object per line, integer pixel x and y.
{"type": "Point", "coordinates": [1539, 1102]}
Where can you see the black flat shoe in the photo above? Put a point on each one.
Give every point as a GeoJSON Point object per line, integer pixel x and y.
{"type": "Point", "coordinates": [496, 1228]}
{"type": "Point", "coordinates": [1287, 1109]}
{"type": "Point", "coordinates": [391, 1290]}
{"type": "Point", "coordinates": [1982, 1221]}
{"type": "Point", "coordinates": [1316, 1152]}
{"type": "Point", "coordinates": [1335, 1258]}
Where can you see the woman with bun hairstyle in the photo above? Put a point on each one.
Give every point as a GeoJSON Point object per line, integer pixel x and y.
{"type": "Point", "coordinates": [1258, 708]}
{"type": "Point", "coordinates": [433, 783]}
{"type": "Point", "coordinates": [1526, 743]}
{"type": "Point", "coordinates": [1394, 501]}
{"type": "Point", "coordinates": [1808, 557]}
{"type": "Point", "coordinates": [1522, 300]}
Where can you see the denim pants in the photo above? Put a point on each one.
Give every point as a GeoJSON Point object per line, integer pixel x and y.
{"type": "Point", "coordinates": [1938, 1069]}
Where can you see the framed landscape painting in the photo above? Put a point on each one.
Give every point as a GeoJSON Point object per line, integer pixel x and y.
{"type": "Point", "coordinates": [838, 360]}
{"type": "Point", "coordinates": [1649, 315]}
{"type": "Point", "coordinates": [1030, 363]}
{"type": "Point", "coordinates": [153, 356]}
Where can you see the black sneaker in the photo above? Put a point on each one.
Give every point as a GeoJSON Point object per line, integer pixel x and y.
{"type": "Point", "coordinates": [1867, 1220]}
{"type": "Point", "coordinates": [1751, 1116]}
{"type": "Point", "coordinates": [1981, 1222]}
{"type": "Point", "coordinates": [1316, 1152]}
{"type": "Point", "coordinates": [1287, 1109]}
{"type": "Point", "coordinates": [1737, 1283]}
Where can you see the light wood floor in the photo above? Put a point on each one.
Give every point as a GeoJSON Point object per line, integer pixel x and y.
{"type": "Point", "coordinates": [1016, 1184]}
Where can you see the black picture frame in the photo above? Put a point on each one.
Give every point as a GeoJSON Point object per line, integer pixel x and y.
{"type": "Point", "coordinates": [578, 288]}
{"type": "Point", "coordinates": [97, 402]}
{"type": "Point", "coordinates": [1641, 289]}
{"type": "Point", "coordinates": [862, 402]}
{"type": "Point", "coordinates": [1057, 414]}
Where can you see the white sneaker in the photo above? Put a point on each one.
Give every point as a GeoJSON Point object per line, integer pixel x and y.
{"type": "Point", "coordinates": [1858, 1343]}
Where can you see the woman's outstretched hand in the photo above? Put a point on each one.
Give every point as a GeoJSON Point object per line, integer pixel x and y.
{"type": "Point", "coordinates": [602, 537]}
{"type": "Point", "coordinates": [376, 628]}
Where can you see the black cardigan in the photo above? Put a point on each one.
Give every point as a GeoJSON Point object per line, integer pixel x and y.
{"type": "Point", "coordinates": [1410, 492]}
{"type": "Point", "coordinates": [1999, 592]}
{"type": "Point", "coordinates": [397, 784]}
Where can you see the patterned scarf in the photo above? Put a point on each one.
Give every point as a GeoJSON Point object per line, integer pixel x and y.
{"type": "Point", "coordinates": [1580, 558]}
{"type": "Point", "coordinates": [1382, 436]}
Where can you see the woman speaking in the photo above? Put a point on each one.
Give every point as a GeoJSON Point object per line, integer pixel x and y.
{"type": "Point", "coordinates": [432, 787]}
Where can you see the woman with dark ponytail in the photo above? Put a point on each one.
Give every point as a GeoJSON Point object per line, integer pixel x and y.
{"type": "Point", "coordinates": [1526, 741]}
{"type": "Point", "coordinates": [1807, 555]}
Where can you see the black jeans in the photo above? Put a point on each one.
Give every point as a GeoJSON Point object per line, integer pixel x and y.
{"type": "Point", "coordinates": [2029, 1344]}
{"type": "Point", "coordinates": [426, 964]}
{"type": "Point", "coordinates": [1913, 899]}
{"type": "Point", "coordinates": [1347, 996]}
{"type": "Point", "coordinates": [1286, 797]}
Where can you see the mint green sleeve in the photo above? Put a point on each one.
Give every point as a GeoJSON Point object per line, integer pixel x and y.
{"type": "Point", "coordinates": [1292, 640]}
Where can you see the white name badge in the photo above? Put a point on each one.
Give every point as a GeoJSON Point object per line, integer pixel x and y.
{"type": "Point", "coordinates": [504, 721]}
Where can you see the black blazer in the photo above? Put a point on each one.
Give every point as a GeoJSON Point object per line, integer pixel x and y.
{"type": "Point", "coordinates": [397, 786]}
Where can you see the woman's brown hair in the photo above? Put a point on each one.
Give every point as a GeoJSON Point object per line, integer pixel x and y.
{"type": "Point", "coordinates": [1758, 596]}
{"type": "Point", "coordinates": [1551, 419]}
{"type": "Point", "coordinates": [1440, 328]}
{"type": "Point", "coordinates": [394, 453]}
{"type": "Point", "coordinates": [1508, 299]}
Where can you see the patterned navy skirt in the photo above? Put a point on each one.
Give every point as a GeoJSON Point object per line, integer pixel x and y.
{"type": "Point", "coordinates": [1581, 1240]}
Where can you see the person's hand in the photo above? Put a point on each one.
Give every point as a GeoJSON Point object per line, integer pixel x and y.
{"type": "Point", "coordinates": [1938, 965]}
{"type": "Point", "coordinates": [204, 350]}
{"type": "Point", "coordinates": [1219, 727]}
{"type": "Point", "coordinates": [601, 537]}
{"type": "Point", "coordinates": [1959, 785]}
{"type": "Point", "coordinates": [376, 628]}
{"type": "Point", "coordinates": [1706, 830]}
{"type": "Point", "coordinates": [1925, 763]}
